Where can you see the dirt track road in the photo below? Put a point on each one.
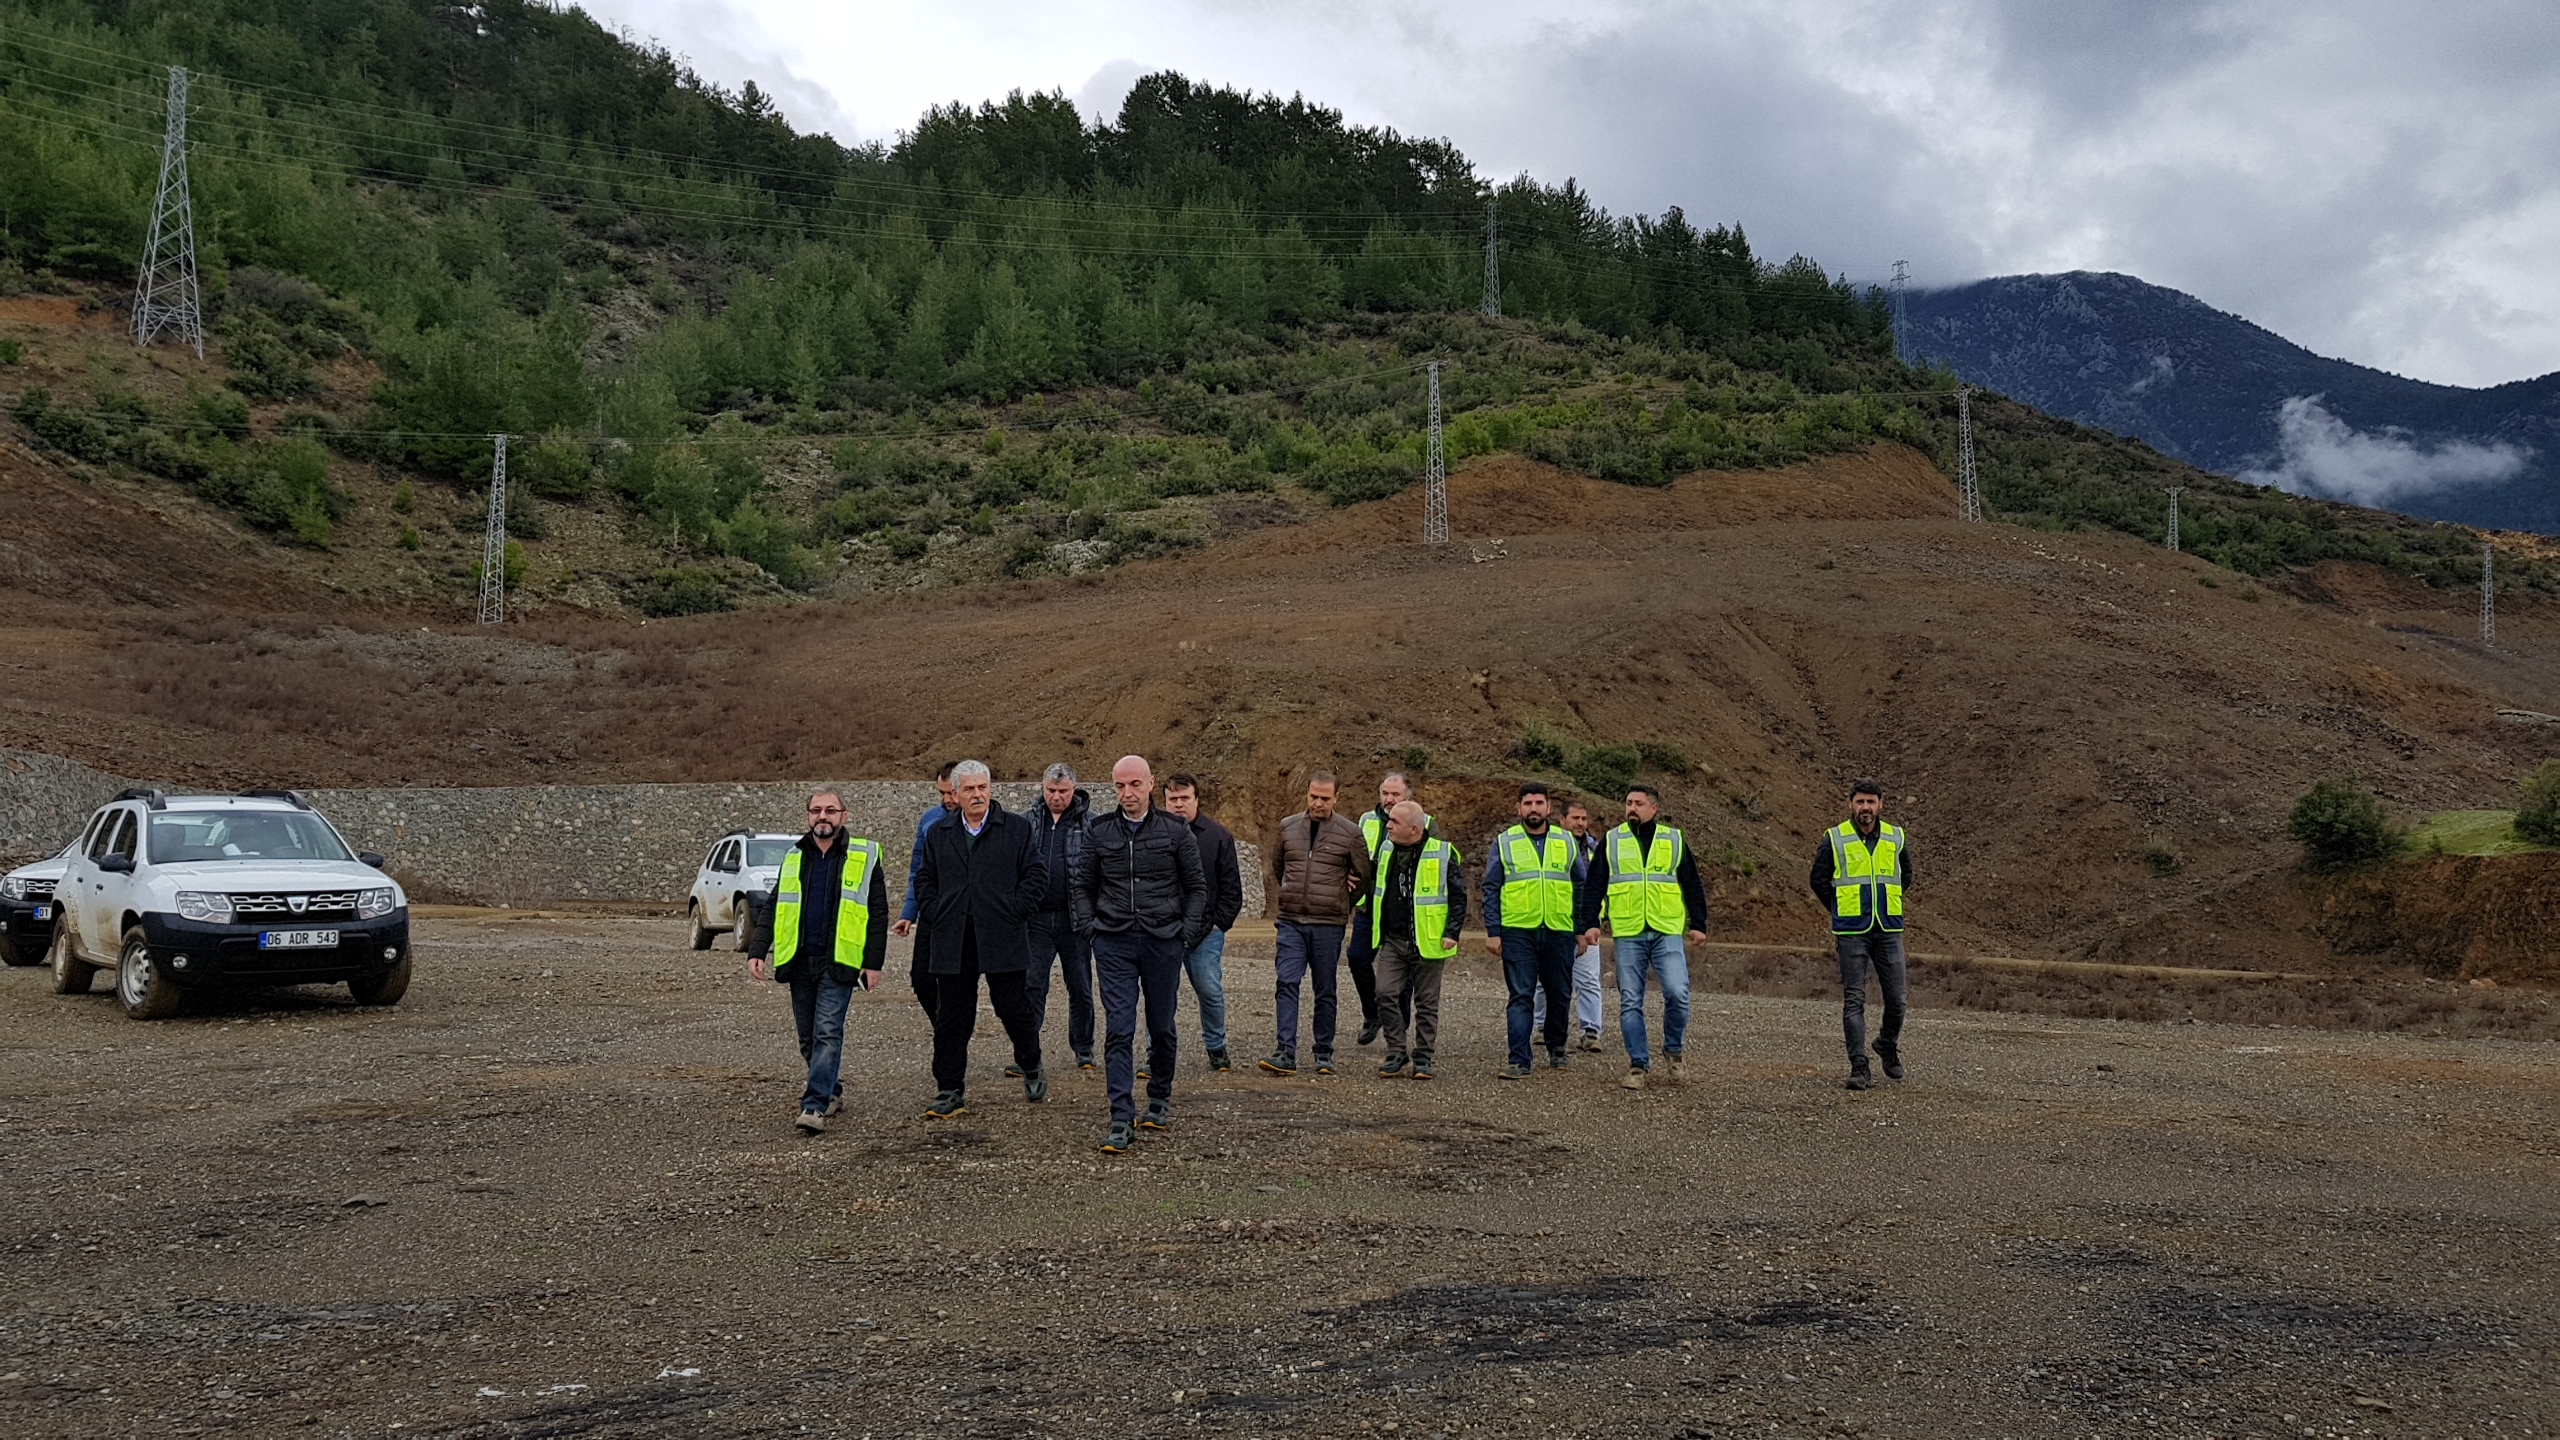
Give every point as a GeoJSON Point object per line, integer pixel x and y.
{"type": "Point", "coordinates": [556, 1193]}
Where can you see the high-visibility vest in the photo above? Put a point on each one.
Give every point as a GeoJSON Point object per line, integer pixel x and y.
{"type": "Point", "coordinates": [853, 906]}
{"type": "Point", "coordinates": [1431, 874]}
{"type": "Point", "coordinates": [1644, 884]}
{"type": "Point", "coordinates": [1537, 880]}
{"type": "Point", "coordinates": [1373, 834]}
{"type": "Point", "coordinates": [1866, 880]}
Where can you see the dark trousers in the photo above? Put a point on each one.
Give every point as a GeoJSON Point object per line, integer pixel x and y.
{"type": "Point", "coordinates": [1364, 973]}
{"type": "Point", "coordinates": [1301, 951]}
{"type": "Point", "coordinates": [957, 1019]}
{"type": "Point", "coordinates": [1130, 966]}
{"type": "Point", "coordinates": [1535, 960]}
{"type": "Point", "coordinates": [1053, 940]}
{"type": "Point", "coordinates": [817, 1012]}
{"type": "Point", "coordinates": [1880, 951]}
{"type": "Point", "coordinates": [921, 976]}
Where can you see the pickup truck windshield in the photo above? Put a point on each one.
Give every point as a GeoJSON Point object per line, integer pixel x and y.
{"type": "Point", "coordinates": [764, 854]}
{"type": "Point", "coordinates": [180, 836]}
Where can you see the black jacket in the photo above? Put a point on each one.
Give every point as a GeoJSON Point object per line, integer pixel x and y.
{"type": "Point", "coordinates": [818, 921]}
{"type": "Point", "coordinates": [981, 889]}
{"type": "Point", "coordinates": [1150, 879]}
{"type": "Point", "coordinates": [1219, 866]}
{"type": "Point", "coordinates": [1061, 839]}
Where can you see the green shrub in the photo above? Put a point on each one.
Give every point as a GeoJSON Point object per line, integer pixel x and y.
{"type": "Point", "coordinates": [1414, 758]}
{"type": "Point", "coordinates": [904, 543]}
{"type": "Point", "coordinates": [2538, 818]}
{"type": "Point", "coordinates": [9, 352]}
{"type": "Point", "coordinates": [1606, 770]}
{"type": "Point", "coordinates": [409, 539]}
{"type": "Point", "coordinates": [683, 591]}
{"type": "Point", "coordinates": [1347, 477]}
{"type": "Point", "coordinates": [1541, 750]}
{"type": "Point", "coordinates": [556, 467]}
{"type": "Point", "coordinates": [1664, 756]}
{"type": "Point", "coordinates": [405, 498]}
{"type": "Point", "coordinates": [2341, 824]}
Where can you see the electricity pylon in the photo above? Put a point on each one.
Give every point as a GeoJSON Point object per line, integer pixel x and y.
{"type": "Point", "coordinates": [1435, 475]}
{"type": "Point", "coordinates": [1966, 482]}
{"type": "Point", "coordinates": [166, 297]}
{"type": "Point", "coordinates": [2174, 492]}
{"type": "Point", "coordinates": [493, 547]}
{"type": "Point", "coordinates": [1492, 261]}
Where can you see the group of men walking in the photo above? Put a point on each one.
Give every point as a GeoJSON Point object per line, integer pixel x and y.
{"type": "Point", "coordinates": [1132, 901]}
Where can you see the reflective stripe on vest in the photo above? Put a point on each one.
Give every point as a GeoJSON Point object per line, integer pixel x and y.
{"type": "Point", "coordinates": [1537, 880]}
{"type": "Point", "coordinates": [853, 907]}
{"type": "Point", "coordinates": [1373, 833]}
{"type": "Point", "coordinates": [1644, 885]}
{"type": "Point", "coordinates": [1866, 881]}
{"type": "Point", "coordinates": [1431, 874]}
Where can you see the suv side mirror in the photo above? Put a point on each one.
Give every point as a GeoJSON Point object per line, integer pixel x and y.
{"type": "Point", "coordinates": [372, 859]}
{"type": "Point", "coordinates": [116, 864]}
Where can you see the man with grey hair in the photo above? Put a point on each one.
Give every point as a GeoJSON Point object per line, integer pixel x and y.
{"type": "Point", "coordinates": [980, 882]}
{"type": "Point", "coordinates": [1142, 894]}
{"type": "Point", "coordinates": [1057, 831]}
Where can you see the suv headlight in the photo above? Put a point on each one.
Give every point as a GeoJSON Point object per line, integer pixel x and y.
{"type": "Point", "coordinates": [204, 905]}
{"type": "Point", "coordinates": [14, 887]}
{"type": "Point", "coordinates": [373, 904]}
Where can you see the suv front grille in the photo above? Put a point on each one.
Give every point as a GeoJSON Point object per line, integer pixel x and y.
{"type": "Point", "coordinates": [40, 889]}
{"type": "Point", "coordinates": [328, 905]}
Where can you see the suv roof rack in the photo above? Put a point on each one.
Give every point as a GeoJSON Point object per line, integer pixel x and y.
{"type": "Point", "coordinates": [291, 797]}
{"type": "Point", "coordinates": [734, 834]}
{"type": "Point", "coordinates": [148, 796]}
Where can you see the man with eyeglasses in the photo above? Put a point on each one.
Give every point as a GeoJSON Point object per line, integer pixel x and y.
{"type": "Point", "coordinates": [830, 928]}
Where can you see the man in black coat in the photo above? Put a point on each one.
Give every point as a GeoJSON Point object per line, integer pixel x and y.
{"type": "Point", "coordinates": [1206, 964]}
{"type": "Point", "coordinates": [1057, 826]}
{"type": "Point", "coordinates": [1142, 894]}
{"type": "Point", "coordinates": [981, 882]}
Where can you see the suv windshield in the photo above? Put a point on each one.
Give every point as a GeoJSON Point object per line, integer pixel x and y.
{"type": "Point", "coordinates": [180, 836]}
{"type": "Point", "coordinates": [763, 854]}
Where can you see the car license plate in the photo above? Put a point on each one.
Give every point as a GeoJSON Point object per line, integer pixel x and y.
{"type": "Point", "coordinates": [298, 940]}
{"type": "Point", "coordinates": [44, 912]}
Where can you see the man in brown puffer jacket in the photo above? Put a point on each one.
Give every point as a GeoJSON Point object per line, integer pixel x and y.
{"type": "Point", "coordinates": [1318, 864]}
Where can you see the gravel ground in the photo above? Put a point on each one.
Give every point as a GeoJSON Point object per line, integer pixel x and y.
{"type": "Point", "coordinates": [557, 1193]}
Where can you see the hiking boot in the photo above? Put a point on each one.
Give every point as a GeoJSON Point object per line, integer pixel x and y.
{"type": "Point", "coordinates": [811, 1122]}
{"type": "Point", "coordinates": [1892, 1059]}
{"type": "Point", "coordinates": [1119, 1139]}
{"type": "Point", "coordinates": [1514, 1072]}
{"type": "Point", "coordinates": [1556, 1060]}
{"type": "Point", "coordinates": [1590, 1041]}
{"type": "Point", "coordinates": [1671, 1068]}
{"type": "Point", "coordinates": [1281, 1063]}
{"type": "Point", "coordinates": [1084, 1062]}
{"type": "Point", "coordinates": [1422, 1067]}
{"type": "Point", "coordinates": [949, 1105]}
{"type": "Point", "coordinates": [1391, 1067]}
{"type": "Point", "coordinates": [1859, 1079]}
{"type": "Point", "coordinates": [1035, 1085]}
{"type": "Point", "coordinates": [1369, 1029]}
{"type": "Point", "coordinates": [1635, 1078]}
{"type": "Point", "coordinates": [1324, 1064]}
{"type": "Point", "coordinates": [1218, 1060]}
{"type": "Point", "coordinates": [1159, 1116]}
{"type": "Point", "coordinates": [1013, 1072]}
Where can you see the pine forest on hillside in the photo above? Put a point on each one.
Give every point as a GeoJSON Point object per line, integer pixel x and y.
{"type": "Point", "coordinates": [1008, 332]}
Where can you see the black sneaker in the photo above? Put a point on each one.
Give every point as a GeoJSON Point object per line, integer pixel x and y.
{"type": "Point", "coordinates": [949, 1105]}
{"type": "Point", "coordinates": [1119, 1139]}
{"type": "Point", "coordinates": [1159, 1116]}
{"type": "Point", "coordinates": [1556, 1060]}
{"type": "Point", "coordinates": [1218, 1060]}
{"type": "Point", "coordinates": [1369, 1031]}
{"type": "Point", "coordinates": [1422, 1067]}
{"type": "Point", "coordinates": [1390, 1067]}
{"type": "Point", "coordinates": [1281, 1063]}
{"type": "Point", "coordinates": [1324, 1064]}
{"type": "Point", "coordinates": [1013, 1072]}
{"type": "Point", "coordinates": [1859, 1079]}
{"type": "Point", "coordinates": [1035, 1085]}
{"type": "Point", "coordinates": [1084, 1062]}
{"type": "Point", "coordinates": [1892, 1063]}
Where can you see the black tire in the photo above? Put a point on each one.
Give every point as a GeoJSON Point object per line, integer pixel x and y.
{"type": "Point", "coordinates": [12, 956]}
{"type": "Point", "coordinates": [145, 993]}
{"type": "Point", "coordinates": [738, 920]}
{"type": "Point", "coordinates": [383, 989]}
{"type": "Point", "coordinates": [702, 934]}
{"type": "Point", "coordinates": [70, 972]}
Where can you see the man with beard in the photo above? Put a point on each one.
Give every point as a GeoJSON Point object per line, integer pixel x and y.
{"type": "Point", "coordinates": [830, 928]}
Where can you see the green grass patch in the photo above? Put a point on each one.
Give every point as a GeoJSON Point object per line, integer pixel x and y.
{"type": "Point", "coordinates": [2472, 832]}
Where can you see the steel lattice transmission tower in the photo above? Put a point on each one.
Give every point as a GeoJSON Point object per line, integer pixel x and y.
{"type": "Point", "coordinates": [1966, 483]}
{"type": "Point", "coordinates": [1492, 261]}
{"type": "Point", "coordinates": [1901, 313]}
{"type": "Point", "coordinates": [2488, 597]}
{"type": "Point", "coordinates": [2174, 492]}
{"type": "Point", "coordinates": [1435, 475]}
{"type": "Point", "coordinates": [493, 549]}
{"type": "Point", "coordinates": [165, 297]}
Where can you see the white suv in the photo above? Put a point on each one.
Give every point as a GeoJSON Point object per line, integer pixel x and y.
{"type": "Point", "coordinates": [27, 908]}
{"type": "Point", "coordinates": [177, 892]}
{"type": "Point", "coordinates": [739, 862]}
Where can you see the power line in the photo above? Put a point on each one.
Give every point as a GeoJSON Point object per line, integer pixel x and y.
{"type": "Point", "coordinates": [493, 546]}
{"type": "Point", "coordinates": [2174, 492]}
{"type": "Point", "coordinates": [1435, 475]}
{"type": "Point", "coordinates": [1966, 482]}
{"type": "Point", "coordinates": [165, 295]}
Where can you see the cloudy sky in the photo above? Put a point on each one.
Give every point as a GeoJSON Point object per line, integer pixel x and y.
{"type": "Point", "coordinates": [2378, 181]}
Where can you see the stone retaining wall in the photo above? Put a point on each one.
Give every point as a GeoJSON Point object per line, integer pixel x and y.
{"type": "Point", "coordinates": [524, 844]}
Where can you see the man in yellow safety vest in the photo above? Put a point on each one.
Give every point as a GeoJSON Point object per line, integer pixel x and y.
{"type": "Point", "coordinates": [830, 930]}
{"type": "Point", "coordinates": [1862, 874]}
{"type": "Point", "coordinates": [1417, 902]}
{"type": "Point", "coordinates": [1531, 880]}
{"type": "Point", "coordinates": [1644, 882]}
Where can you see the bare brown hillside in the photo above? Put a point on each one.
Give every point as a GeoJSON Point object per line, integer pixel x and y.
{"type": "Point", "coordinates": [2094, 742]}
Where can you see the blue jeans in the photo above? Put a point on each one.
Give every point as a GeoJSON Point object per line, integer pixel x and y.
{"type": "Point", "coordinates": [1666, 958]}
{"type": "Point", "coordinates": [1537, 963]}
{"type": "Point", "coordinates": [817, 1011]}
{"type": "Point", "coordinates": [1207, 966]}
{"type": "Point", "coordinates": [1881, 951]}
{"type": "Point", "coordinates": [1052, 936]}
{"type": "Point", "coordinates": [1134, 965]}
{"type": "Point", "coordinates": [1586, 991]}
{"type": "Point", "coordinates": [1302, 949]}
